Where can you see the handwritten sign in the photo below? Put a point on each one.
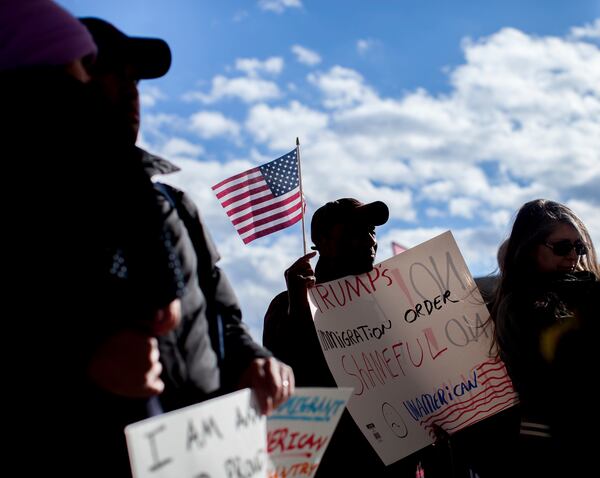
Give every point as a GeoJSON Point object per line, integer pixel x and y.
{"type": "Point", "coordinates": [412, 338]}
{"type": "Point", "coordinates": [299, 431]}
{"type": "Point", "coordinates": [222, 437]}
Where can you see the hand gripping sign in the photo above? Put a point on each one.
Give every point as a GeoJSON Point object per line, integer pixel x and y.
{"type": "Point", "coordinates": [412, 338]}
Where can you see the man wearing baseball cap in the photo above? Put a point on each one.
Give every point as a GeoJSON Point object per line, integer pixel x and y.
{"type": "Point", "coordinates": [121, 62]}
{"type": "Point", "coordinates": [197, 361]}
{"type": "Point", "coordinates": [343, 233]}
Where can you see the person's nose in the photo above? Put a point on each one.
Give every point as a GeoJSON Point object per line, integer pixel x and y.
{"type": "Point", "coordinates": [572, 256]}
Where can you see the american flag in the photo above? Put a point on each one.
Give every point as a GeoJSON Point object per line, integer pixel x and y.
{"type": "Point", "coordinates": [264, 199]}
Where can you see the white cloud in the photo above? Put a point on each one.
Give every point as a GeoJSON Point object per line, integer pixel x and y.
{"type": "Point", "coordinates": [591, 30]}
{"type": "Point", "coordinates": [440, 145]}
{"type": "Point", "coordinates": [532, 102]}
{"type": "Point", "coordinates": [270, 258]}
{"type": "Point", "coordinates": [342, 87]}
{"type": "Point", "coordinates": [197, 178]}
{"type": "Point", "coordinates": [332, 167]}
{"type": "Point", "coordinates": [364, 45]}
{"type": "Point", "coordinates": [158, 128]}
{"type": "Point", "coordinates": [500, 219]}
{"type": "Point", "coordinates": [173, 149]}
{"type": "Point", "coordinates": [529, 104]}
{"type": "Point", "coordinates": [478, 247]}
{"type": "Point", "coordinates": [463, 207]}
{"type": "Point", "coordinates": [434, 212]}
{"type": "Point", "coordinates": [278, 6]}
{"type": "Point", "coordinates": [279, 126]}
{"type": "Point", "coordinates": [588, 213]}
{"type": "Point", "coordinates": [306, 56]}
{"type": "Point", "coordinates": [210, 124]}
{"type": "Point", "coordinates": [240, 15]}
{"type": "Point", "coordinates": [249, 90]}
{"type": "Point", "coordinates": [180, 148]}
{"type": "Point", "coordinates": [150, 95]}
{"type": "Point", "coordinates": [253, 66]}
{"type": "Point", "coordinates": [520, 121]}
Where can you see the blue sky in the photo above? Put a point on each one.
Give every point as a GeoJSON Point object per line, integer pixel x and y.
{"type": "Point", "coordinates": [453, 112]}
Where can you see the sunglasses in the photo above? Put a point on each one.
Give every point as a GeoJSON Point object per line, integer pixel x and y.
{"type": "Point", "coordinates": [564, 247]}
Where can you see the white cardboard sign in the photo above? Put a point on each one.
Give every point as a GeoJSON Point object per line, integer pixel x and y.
{"type": "Point", "coordinates": [222, 437]}
{"type": "Point", "coordinates": [412, 338]}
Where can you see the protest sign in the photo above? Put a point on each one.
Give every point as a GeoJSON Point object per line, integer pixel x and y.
{"type": "Point", "coordinates": [412, 338]}
{"type": "Point", "coordinates": [222, 437]}
{"type": "Point", "coordinates": [227, 438]}
{"type": "Point", "coordinates": [299, 431]}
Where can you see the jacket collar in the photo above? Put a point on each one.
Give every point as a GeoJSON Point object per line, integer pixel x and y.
{"type": "Point", "coordinates": [155, 165]}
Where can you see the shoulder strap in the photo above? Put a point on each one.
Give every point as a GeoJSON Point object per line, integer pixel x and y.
{"type": "Point", "coordinates": [173, 196]}
{"type": "Point", "coordinates": [167, 192]}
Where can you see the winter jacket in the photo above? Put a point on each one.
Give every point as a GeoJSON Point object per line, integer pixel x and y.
{"type": "Point", "coordinates": [211, 348]}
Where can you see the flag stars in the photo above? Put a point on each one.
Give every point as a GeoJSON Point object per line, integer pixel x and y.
{"type": "Point", "coordinates": [281, 175]}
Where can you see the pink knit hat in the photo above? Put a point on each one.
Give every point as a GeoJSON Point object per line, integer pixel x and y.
{"type": "Point", "coordinates": [40, 33]}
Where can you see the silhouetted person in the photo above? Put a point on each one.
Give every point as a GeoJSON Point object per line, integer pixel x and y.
{"type": "Point", "coordinates": [211, 351]}
{"type": "Point", "coordinates": [548, 294]}
{"type": "Point", "coordinates": [343, 233]}
{"type": "Point", "coordinates": [86, 254]}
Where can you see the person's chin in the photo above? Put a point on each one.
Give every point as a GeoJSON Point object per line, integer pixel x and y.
{"type": "Point", "coordinates": [362, 267]}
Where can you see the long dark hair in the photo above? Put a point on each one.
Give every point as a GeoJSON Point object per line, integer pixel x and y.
{"type": "Point", "coordinates": [534, 222]}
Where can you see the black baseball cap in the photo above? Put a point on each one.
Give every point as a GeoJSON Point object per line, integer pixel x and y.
{"type": "Point", "coordinates": [347, 211]}
{"type": "Point", "coordinates": [150, 57]}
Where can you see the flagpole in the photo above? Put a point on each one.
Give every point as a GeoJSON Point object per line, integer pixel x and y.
{"type": "Point", "coordinates": [301, 193]}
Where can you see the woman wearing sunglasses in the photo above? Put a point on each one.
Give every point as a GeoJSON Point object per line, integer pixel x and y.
{"type": "Point", "coordinates": [545, 307]}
